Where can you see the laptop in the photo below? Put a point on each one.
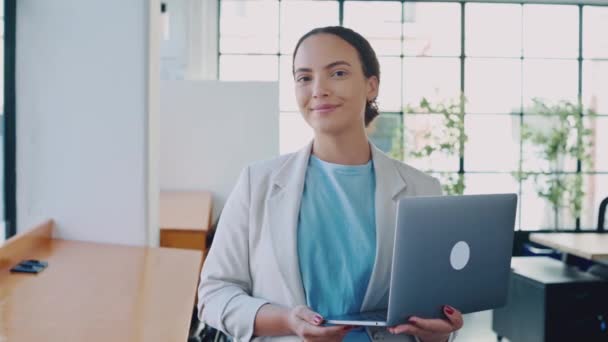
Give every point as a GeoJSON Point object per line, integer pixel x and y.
{"type": "Point", "coordinates": [453, 250]}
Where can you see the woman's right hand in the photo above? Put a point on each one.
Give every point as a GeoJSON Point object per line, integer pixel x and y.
{"type": "Point", "coordinates": [307, 325]}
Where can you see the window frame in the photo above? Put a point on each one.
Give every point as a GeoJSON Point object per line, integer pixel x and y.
{"type": "Point", "coordinates": [463, 60]}
{"type": "Point", "coordinates": [10, 175]}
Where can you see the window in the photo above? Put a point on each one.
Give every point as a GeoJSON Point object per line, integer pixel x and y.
{"type": "Point", "coordinates": [7, 119]}
{"type": "Point", "coordinates": [500, 56]}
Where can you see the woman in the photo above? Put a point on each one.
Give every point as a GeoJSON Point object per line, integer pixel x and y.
{"type": "Point", "coordinates": [309, 234]}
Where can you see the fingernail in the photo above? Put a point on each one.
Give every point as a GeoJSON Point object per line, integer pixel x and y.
{"type": "Point", "coordinates": [318, 318]}
{"type": "Point", "coordinates": [449, 310]}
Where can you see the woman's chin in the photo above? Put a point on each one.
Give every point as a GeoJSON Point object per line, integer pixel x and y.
{"type": "Point", "coordinates": [326, 127]}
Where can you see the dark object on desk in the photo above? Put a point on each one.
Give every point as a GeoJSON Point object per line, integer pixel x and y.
{"type": "Point", "coordinates": [549, 301]}
{"type": "Point", "coordinates": [36, 263]}
{"type": "Point", "coordinates": [30, 266]}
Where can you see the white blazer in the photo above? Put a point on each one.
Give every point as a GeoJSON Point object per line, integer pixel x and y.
{"type": "Point", "coordinates": [254, 260]}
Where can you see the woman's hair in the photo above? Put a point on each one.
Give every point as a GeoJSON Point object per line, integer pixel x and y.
{"type": "Point", "coordinates": [366, 53]}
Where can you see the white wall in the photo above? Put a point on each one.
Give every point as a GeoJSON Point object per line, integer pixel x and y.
{"type": "Point", "coordinates": [83, 104]}
{"type": "Point", "coordinates": [210, 130]}
{"type": "Point", "coordinates": [152, 139]}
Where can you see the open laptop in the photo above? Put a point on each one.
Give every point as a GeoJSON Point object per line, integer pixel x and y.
{"type": "Point", "coordinates": [453, 250]}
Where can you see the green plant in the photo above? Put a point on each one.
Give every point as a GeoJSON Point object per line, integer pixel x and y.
{"type": "Point", "coordinates": [562, 135]}
{"type": "Point", "coordinates": [448, 139]}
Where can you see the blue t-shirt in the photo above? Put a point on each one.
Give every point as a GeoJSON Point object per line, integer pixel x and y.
{"type": "Point", "coordinates": [337, 237]}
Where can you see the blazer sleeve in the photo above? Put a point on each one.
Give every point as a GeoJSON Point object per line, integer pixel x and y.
{"type": "Point", "coordinates": [224, 300]}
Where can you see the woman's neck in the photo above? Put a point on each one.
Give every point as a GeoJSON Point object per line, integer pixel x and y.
{"type": "Point", "coordinates": [346, 149]}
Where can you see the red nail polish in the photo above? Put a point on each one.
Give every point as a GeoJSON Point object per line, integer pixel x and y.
{"type": "Point", "coordinates": [449, 310]}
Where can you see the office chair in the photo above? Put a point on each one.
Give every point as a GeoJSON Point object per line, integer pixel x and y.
{"type": "Point", "coordinates": [602, 215]}
{"type": "Point", "coordinates": [598, 269]}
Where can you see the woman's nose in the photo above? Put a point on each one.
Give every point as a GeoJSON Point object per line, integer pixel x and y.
{"type": "Point", "coordinates": [320, 89]}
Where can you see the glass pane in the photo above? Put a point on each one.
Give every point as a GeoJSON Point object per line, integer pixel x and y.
{"type": "Point", "coordinates": [595, 86]}
{"type": "Point", "coordinates": [385, 133]}
{"type": "Point", "coordinates": [595, 26]}
{"type": "Point", "coordinates": [492, 184]}
{"type": "Point", "coordinates": [299, 17]}
{"type": "Point", "coordinates": [596, 189]}
{"type": "Point", "coordinates": [249, 26]}
{"type": "Point", "coordinates": [437, 79]}
{"type": "Point", "coordinates": [493, 85]}
{"type": "Point", "coordinates": [539, 213]}
{"type": "Point", "coordinates": [422, 130]}
{"type": "Point", "coordinates": [550, 31]}
{"type": "Point", "coordinates": [431, 29]}
{"type": "Point", "coordinates": [493, 143]}
{"type": "Point", "coordinates": [287, 96]}
{"type": "Point", "coordinates": [294, 132]}
{"type": "Point", "coordinates": [2, 74]}
{"type": "Point", "coordinates": [379, 22]}
{"type": "Point", "coordinates": [248, 68]}
{"type": "Point", "coordinates": [599, 149]}
{"type": "Point", "coordinates": [535, 154]}
{"type": "Point", "coordinates": [389, 96]}
{"type": "Point", "coordinates": [480, 183]}
{"type": "Point", "coordinates": [552, 80]}
{"type": "Point", "coordinates": [493, 30]}
{"type": "Point", "coordinates": [450, 182]}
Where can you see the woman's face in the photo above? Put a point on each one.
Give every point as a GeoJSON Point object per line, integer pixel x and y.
{"type": "Point", "coordinates": [331, 88]}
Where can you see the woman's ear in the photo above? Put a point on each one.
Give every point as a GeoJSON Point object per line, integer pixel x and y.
{"type": "Point", "coordinates": [372, 88]}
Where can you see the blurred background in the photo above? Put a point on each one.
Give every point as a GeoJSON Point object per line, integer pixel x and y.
{"type": "Point", "coordinates": [128, 122]}
{"type": "Point", "coordinates": [485, 70]}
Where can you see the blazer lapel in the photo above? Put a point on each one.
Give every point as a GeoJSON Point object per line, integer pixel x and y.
{"type": "Point", "coordinates": [389, 184]}
{"type": "Point", "coordinates": [283, 209]}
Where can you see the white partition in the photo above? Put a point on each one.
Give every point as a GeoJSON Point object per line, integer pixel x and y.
{"type": "Point", "coordinates": [210, 130]}
{"type": "Point", "coordinates": [86, 72]}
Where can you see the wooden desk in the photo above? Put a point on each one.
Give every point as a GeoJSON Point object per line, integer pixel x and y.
{"type": "Point", "coordinates": [592, 246]}
{"type": "Point", "coordinates": [96, 292]}
{"type": "Point", "coordinates": [185, 219]}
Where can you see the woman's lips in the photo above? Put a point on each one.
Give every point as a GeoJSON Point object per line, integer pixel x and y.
{"type": "Point", "coordinates": [324, 109]}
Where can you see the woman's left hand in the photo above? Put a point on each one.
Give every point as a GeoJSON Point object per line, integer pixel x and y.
{"type": "Point", "coordinates": [431, 330]}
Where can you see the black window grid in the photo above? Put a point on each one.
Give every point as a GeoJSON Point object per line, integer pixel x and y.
{"type": "Point", "coordinates": [462, 61]}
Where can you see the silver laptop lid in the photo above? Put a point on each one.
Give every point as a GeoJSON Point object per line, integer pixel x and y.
{"type": "Point", "coordinates": [453, 250]}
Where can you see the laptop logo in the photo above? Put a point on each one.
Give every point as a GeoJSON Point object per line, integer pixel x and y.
{"type": "Point", "coordinates": [459, 257]}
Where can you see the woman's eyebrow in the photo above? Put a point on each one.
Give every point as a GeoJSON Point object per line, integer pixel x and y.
{"type": "Point", "coordinates": [331, 65]}
{"type": "Point", "coordinates": [328, 66]}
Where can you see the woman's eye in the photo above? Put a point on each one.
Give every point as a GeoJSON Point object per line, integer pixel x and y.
{"type": "Point", "coordinates": [303, 79]}
{"type": "Point", "coordinates": [340, 73]}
